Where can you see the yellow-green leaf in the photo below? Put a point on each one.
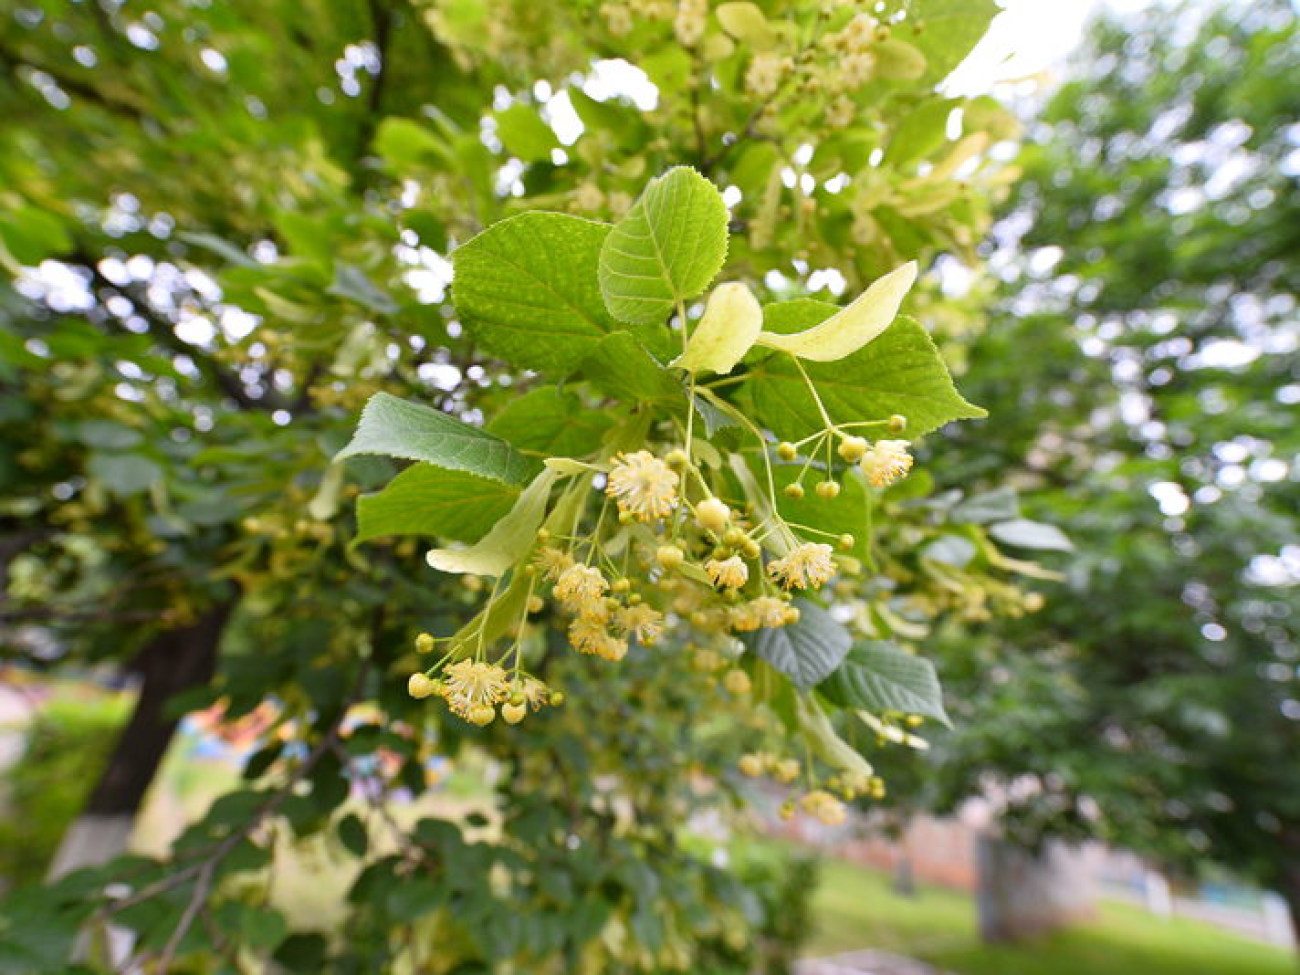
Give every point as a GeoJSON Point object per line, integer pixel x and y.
{"type": "Point", "coordinates": [732, 320]}
{"type": "Point", "coordinates": [509, 539]}
{"type": "Point", "coordinates": [853, 327]}
{"type": "Point", "coordinates": [746, 23]}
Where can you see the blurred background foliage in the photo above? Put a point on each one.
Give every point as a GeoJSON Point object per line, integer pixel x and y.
{"type": "Point", "coordinates": [224, 227]}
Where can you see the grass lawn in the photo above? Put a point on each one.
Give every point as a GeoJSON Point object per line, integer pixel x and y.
{"type": "Point", "coordinates": [854, 909]}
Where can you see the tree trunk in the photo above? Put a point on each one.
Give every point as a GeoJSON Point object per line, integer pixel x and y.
{"type": "Point", "coordinates": [173, 661]}
{"type": "Point", "coordinates": [1022, 894]}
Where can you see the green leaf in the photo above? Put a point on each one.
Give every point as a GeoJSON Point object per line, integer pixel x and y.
{"type": "Point", "coordinates": [429, 500]}
{"type": "Point", "coordinates": [952, 29]}
{"type": "Point", "coordinates": [732, 321]}
{"type": "Point", "coordinates": [508, 541]}
{"type": "Point", "coordinates": [262, 927]}
{"type": "Point", "coordinates": [551, 422]}
{"type": "Point", "coordinates": [746, 23]}
{"type": "Point", "coordinates": [714, 417]}
{"type": "Point", "coordinates": [353, 835]}
{"type": "Point", "coordinates": [849, 329]}
{"type": "Point", "coordinates": [524, 134]}
{"type": "Point", "coordinates": [395, 427]}
{"type": "Point", "coordinates": [351, 282]}
{"type": "Point", "coordinates": [411, 900]}
{"type": "Point", "coordinates": [620, 367]}
{"type": "Point", "coordinates": [845, 514]}
{"type": "Point", "coordinates": [877, 676]}
{"type": "Point", "coordinates": [124, 474]}
{"type": "Point", "coordinates": [997, 505]}
{"type": "Point", "coordinates": [526, 288]}
{"type": "Point", "coordinates": [920, 133]}
{"type": "Point", "coordinates": [220, 247]}
{"type": "Point", "coordinates": [900, 372]}
{"type": "Point", "coordinates": [805, 651]}
{"type": "Point", "coordinates": [107, 435]}
{"type": "Point", "coordinates": [950, 550]}
{"type": "Point", "coordinates": [1024, 533]}
{"type": "Point", "coordinates": [406, 143]}
{"type": "Point", "coordinates": [31, 235]}
{"type": "Point", "coordinates": [825, 741]}
{"type": "Point", "coordinates": [667, 248]}
{"type": "Point", "coordinates": [897, 60]}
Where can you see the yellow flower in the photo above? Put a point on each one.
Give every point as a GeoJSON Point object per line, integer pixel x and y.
{"type": "Point", "coordinates": [533, 691]}
{"type": "Point", "coordinates": [803, 567]}
{"type": "Point", "coordinates": [590, 636]}
{"type": "Point", "coordinates": [471, 685]}
{"type": "Point", "coordinates": [886, 462]}
{"type": "Point", "coordinates": [643, 485]}
{"type": "Point", "coordinates": [737, 682]}
{"type": "Point", "coordinates": [553, 562]}
{"type": "Point", "coordinates": [729, 573]}
{"type": "Point", "coordinates": [580, 587]}
{"type": "Point", "coordinates": [825, 807]}
{"type": "Point", "coordinates": [751, 765]}
{"type": "Point", "coordinates": [641, 621]}
{"type": "Point", "coordinates": [760, 612]}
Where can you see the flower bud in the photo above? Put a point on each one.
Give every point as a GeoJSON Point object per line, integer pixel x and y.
{"type": "Point", "coordinates": [736, 682]}
{"type": "Point", "coordinates": [670, 557]}
{"type": "Point", "coordinates": [851, 449]}
{"type": "Point", "coordinates": [794, 491]}
{"type": "Point", "coordinates": [420, 686]}
{"type": "Point", "coordinates": [481, 714]}
{"type": "Point", "coordinates": [786, 451]}
{"type": "Point", "coordinates": [424, 643]}
{"type": "Point", "coordinates": [513, 713]}
{"type": "Point", "coordinates": [750, 765]}
{"type": "Point", "coordinates": [712, 515]}
{"type": "Point", "coordinates": [828, 490]}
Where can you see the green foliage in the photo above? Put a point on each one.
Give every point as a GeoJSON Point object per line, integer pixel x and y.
{"type": "Point", "coordinates": [1144, 374]}
{"type": "Point", "coordinates": [66, 745]}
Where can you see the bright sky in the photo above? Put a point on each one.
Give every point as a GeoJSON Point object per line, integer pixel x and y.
{"type": "Point", "coordinates": [1028, 37]}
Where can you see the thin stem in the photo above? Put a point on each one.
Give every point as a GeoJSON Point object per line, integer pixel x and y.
{"type": "Point", "coordinates": [813, 390]}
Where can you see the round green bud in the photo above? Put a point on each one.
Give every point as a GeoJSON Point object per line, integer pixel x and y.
{"type": "Point", "coordinates": [828, 490]}
{"type": "Point", "coordinates": [851, 449]}
{"type": "Point", "coordinates": [514, 713]}
{"type": "Point", "coordinates": [670, 557]}
{"type": "Point", "coordinates": [786, 450]}
{"type": "Point", "coordinates": [794, 491]}
{"type": "Point", "coordinates": [897, 423]}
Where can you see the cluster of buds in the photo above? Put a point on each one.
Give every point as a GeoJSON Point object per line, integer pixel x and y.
{"type": "Point", "coordinates": [882, 463]}
{"type": "Point", "coordinates": [474, 688]}
{"type": "Point", "coordinates": [757, 764]}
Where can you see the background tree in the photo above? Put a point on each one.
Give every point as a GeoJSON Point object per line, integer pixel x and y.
{"type": "Point", "coordinates": [1142, 384]}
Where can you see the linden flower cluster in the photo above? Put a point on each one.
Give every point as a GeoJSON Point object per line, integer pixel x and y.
{"type": "Point", "coordinates": [473, 688]}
